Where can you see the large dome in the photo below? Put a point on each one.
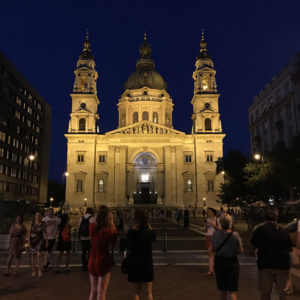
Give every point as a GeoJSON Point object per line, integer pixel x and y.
{"type": "Point", "coordinates": [145, 73]}
{"type": "Point", "coordinates": [145, 77]}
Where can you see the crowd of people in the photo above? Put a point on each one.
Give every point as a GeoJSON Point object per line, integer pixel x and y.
{"type": "Point", "coordinates": [98, 235]}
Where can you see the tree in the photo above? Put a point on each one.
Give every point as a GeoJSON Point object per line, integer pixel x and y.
{"type": "Point", "coordinates": [233, 190]}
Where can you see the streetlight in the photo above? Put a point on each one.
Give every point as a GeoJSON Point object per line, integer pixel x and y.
{"type": "Point", "coordinates": [85, 199]}
{"type": "Point", "coordinates": [258, 156]}
{"type": "Point", "coordinates": [51, 201]}
{"type": "Point", "coordinates": [66, 174]}
{"type": "Point", "coordinates": [223, 172]}
{"type": "Point", "coordinates": [204, 201]}
{"type": "Point", "coordinates": [31, 157]}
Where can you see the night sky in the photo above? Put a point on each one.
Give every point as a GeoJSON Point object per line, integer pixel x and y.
{"type": "Point", "coordinates": [250, 41]}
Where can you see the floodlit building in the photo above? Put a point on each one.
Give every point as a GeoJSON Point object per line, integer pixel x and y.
{"type": "Point", "coordinates": [274, 115]}
{"type": "Point", "coordinates": [25, 121]}
{"type": "Point", "coordinates": [145, 161]}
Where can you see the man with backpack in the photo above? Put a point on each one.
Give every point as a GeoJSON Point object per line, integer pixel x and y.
{"type": "Point", "coordinates": [84, 235]}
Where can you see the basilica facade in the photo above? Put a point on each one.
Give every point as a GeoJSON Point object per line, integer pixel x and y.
{"type": "Point", "coordinates": [145, 161]}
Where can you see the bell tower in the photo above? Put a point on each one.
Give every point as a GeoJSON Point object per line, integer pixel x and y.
{"type": "Point", "coordinates": [206, 117]}
{"type": "Point", "coordinates": [84, 116]}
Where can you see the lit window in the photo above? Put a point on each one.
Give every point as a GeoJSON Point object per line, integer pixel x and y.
{"type": "Point", "coordinates": [189, 185]}
{"type": "Point", "coordinates": [155, 117]}
{"type": "Point", "coordinates": [79, 186]}
{"type": "Point", "coordinates": [14, 157]}
{"type": "Point", "coordinates": [2, 136]}
{"type": "Point", "coordinates": [13, 172]}
{"type": "Point", "coordinates": [101, 186]}
{"type": "Point", "coordinates": [17, 115]}
{"type": "Point", "coordinates": [80, 158]}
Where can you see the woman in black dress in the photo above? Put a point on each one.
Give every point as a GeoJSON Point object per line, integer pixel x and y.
{"type": "Point", "coordinates": [140, 271]}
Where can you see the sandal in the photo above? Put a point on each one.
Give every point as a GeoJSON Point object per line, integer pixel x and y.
{"type": "Point", "coordinates": [210, 273]}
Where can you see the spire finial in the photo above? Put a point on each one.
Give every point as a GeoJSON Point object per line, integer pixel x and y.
{"type": "Point", "coordinates": [203, 48]}
{"type": "Point", "coordinates": [203, 38]}
{"type": "Point", "coordinates": [145, 36]}
{"type": "Point", "coordinates": [86, 52]}
{"type": "Point", "coordinates": [203, 43]}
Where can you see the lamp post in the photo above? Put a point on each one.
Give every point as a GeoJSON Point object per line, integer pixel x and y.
{"type": "Point", "coordinates": [204, 202]}
{"type": "Point", "coordinates": [85, 200]}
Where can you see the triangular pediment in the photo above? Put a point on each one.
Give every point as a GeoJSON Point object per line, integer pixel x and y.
{"type": "Point", "coordinates": [145, 127]}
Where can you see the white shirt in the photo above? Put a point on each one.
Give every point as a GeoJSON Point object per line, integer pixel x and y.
{"type": "Point", "coordinates": [51, 226]}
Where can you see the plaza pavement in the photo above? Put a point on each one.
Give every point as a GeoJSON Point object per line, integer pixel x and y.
{"type": "Point", "coordinates": [179, 273]}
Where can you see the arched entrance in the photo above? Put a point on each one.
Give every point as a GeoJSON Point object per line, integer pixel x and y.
{"type": "Point", "coordinates": [145, 177]}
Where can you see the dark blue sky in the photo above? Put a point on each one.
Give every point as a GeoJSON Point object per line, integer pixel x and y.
{"type": "Point", "coordinates": [250, 41]}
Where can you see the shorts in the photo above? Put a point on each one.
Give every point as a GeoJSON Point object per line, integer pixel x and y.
{"type": "Point", "coordinates": [267, 277]}
{"type": "Point", "coordinates": [208, 242]}
{"type": "Point", "coordinates": [50, 245]}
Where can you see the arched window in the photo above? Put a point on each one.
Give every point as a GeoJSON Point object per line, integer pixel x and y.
{"type": "Point", "coordinates": [82, 124]}
{"type": "Point", "coordinates": [155, 117]}
{"type": "Point", "coordinates": [189, 185]}
{"type": "Point", "coordinates": [101, 186]}
{"type": "Point", "coordinates": [145, 116]}
{"type": "Point", "coordinates": [135, 117]}
{"type": "Point", "coordinates": [207, 124]}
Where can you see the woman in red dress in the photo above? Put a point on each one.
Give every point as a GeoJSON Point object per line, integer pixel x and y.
{"type": "Point", "coordinates": [103, 234]}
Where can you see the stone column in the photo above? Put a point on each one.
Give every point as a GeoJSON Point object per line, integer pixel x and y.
{"type": "Point", "coordinates": [130, 183]}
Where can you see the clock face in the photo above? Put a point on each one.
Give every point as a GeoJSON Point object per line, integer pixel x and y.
{"type": "Point", "coordinates": [207, 105]}
{"type": "Point", "coordinates": [83, 105]}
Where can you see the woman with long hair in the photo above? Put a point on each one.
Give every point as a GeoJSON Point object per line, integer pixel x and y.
{"type": "Point", "coordinates": [103, 236]}
{"type": "Point", "coordinates": [64, 241]}
{"type": "Point", "coordinates": [140, 269]}
{"type": "Point", "coordinates": [35, 242]}
{"type": "Point", "coordinates": [17, 237]}
{"type": "Point", "coordinates": [211, 225]}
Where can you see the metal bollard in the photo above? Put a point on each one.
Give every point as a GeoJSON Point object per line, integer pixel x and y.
{"type": "Point", "coordinates": [165, 240]}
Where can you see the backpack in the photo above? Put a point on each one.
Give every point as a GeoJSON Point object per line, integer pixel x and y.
{"type": "Point", "coordinates": [65, 234]}
{"type": "Point", "coordinates": [84, 227]}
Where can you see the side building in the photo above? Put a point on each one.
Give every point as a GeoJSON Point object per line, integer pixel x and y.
{"type": "Point", "coordinates": [275, 114]}
{"type": "Point", "coordinates": [25, 121]}
{"type": "Point", "coordinates": [145, 161]}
